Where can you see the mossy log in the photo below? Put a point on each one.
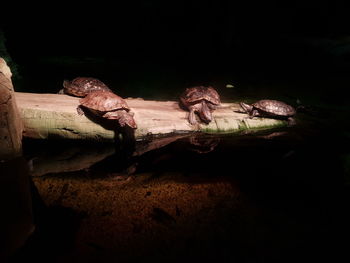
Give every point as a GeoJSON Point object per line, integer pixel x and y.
{"type": "Point", "coordinates": [55, 116]}
{"type": "Point", "coordinates": [11, 126]}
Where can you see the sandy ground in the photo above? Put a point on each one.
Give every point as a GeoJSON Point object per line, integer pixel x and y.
{"type": "Point", "coordinates": [143, 218]}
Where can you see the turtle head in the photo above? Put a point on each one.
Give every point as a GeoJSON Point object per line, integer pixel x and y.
{"type": "Point", "coordinates": [127, 118]}
{"type": "Point", "coordinates": [123, 117]}
{"type": "Point", "coordinates": [205, 113]}
{"type": "Point", "coordinates": [246, 107]}
{"type": "Point", "coordinates": [66, 83]}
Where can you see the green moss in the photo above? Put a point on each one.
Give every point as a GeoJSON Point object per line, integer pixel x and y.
{"type": "Point", "coordinates": [278, 124]}
{"type": "Point", "coordinates": [242, 126]}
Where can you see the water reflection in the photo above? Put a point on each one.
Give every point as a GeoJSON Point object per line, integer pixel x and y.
{"type": "Point", "coordinates": [203, 144]}
{"type": "Point", "coordinates": [181, 153]}
{"type": "Point", "coordinates": [245, 198]}
{"type": "Point", "coordinates": [68, 158]}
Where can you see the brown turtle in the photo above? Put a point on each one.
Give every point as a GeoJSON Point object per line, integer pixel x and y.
{"type": "Point", "coordinates": [271, 109]}
{"type": "Point", "coordinates": [100, 100]}
{"type": "Point", "coordinates": [81, 86]}
{"type": "Point", "coordinates": [202, 100]}
{"type": "Point", "coordinates": [108, 105]}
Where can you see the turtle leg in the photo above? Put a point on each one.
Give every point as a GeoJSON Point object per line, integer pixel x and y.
{"type": "Point", "coordinates": [61, 91]}
{"type": "Point", "coordinates": [122, 120]}
{"type": "Point", "coordinates": [192, 117]}
{"type": "Point", "coordinates": [80, 110]}
{"type": "Point", "coordinates": [291, 121]}
{"type": "Point", "coordinates": [253, 114]}
{"type": "Point", "coordinates": [246, 107]}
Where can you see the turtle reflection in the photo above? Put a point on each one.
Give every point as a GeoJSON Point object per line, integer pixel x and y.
{"type": "Point", "coordinates": [202, 143]}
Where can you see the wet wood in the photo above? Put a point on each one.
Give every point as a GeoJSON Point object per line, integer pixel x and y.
{"type": "Point", "coordinates": [11, 126]}
{"type": "Point", "coordinates": [54, 115]}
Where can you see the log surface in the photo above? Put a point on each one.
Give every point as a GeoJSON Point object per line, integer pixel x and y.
{"type": "Point", "coordinates": [54, 115]}
{"type": "Point", "coordinates": [11, 127]}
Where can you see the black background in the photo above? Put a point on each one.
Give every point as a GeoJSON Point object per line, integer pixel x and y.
{"type": "Point", "coordinates": [280, 37]}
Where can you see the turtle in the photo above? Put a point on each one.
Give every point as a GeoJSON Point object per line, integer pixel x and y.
{"type": "Point", "coordinates": [271, 109]}
{"type": "Point", "coordinates": [99, 99]}
{"type": "Point", "coordinates": [200, 99]}
{"type": "Point", "coordinates": [81, 86]}
{"type": "Point", "coordinates": [108, 105]}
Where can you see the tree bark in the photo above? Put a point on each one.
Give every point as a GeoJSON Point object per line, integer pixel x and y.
{"type": "Point", "coordinates": [11, 126]}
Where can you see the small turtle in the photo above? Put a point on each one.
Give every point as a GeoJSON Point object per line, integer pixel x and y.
{"type": "Point", "coordinates": [81, 86]}
{"type": "Point", "coordinates": [271, 109]}
{"type": "Point", "coordinates": [100, 100]}
{"type": "Point", "coordinates": [202, 100]}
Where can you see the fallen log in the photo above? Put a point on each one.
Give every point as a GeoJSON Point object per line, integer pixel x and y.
{"type": "Point", "coordinates": [48, 116]}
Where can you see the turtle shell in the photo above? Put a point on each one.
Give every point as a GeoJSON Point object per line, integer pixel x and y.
{"type": "Point", "coordinates": [104, 101]}
{"type": "Point", "coordinates": [196, 94]}
{"type": "Point", "coordinates": [82, 86]}
{"type": "Point", "coordinates": [274, 107]}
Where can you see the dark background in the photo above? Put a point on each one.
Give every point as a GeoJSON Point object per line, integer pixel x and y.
{"type": "Point", "coordinates": [186, 42]}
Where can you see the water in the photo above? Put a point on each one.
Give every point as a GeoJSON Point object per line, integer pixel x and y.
{"type": "Point", "coordinates": [273, 195]}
